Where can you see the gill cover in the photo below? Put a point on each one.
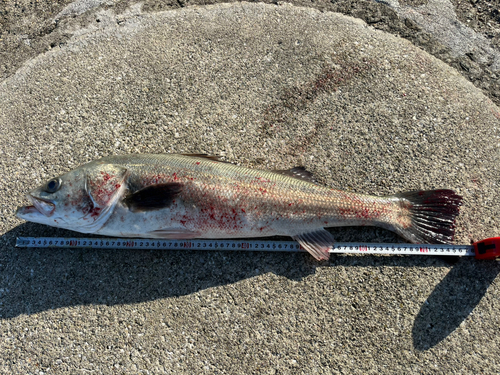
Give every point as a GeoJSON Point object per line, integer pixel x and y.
{"type": "Point", "coordinates": [104, 187]}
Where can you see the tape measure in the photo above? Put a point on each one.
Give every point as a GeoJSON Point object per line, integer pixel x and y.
{"type": "Point", "coordinates": [485, 249]}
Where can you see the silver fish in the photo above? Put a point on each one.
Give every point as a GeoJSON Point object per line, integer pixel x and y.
{"type": "Point", "coordinates": [176, 196]}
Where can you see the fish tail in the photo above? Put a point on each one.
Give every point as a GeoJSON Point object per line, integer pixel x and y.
{"type": "Point", "coordinates": [427, 216]}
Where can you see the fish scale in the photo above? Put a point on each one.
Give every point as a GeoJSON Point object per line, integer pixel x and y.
{"type": "Point", "coordinates": [173, 196]}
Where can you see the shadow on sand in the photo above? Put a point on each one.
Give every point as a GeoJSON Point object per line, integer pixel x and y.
{"type": "Point", "coordinates": [34, 280]}
{"type": "Point", "coordinates": [452, 301]}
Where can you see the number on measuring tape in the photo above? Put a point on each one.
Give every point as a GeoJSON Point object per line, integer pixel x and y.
{"type": "Point", "coordinates": [258, 245]}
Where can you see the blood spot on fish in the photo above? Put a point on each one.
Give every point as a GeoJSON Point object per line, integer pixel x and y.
{"type": "Point", "coordinates": [197, 163]}
{"type": "Point", "coordinates": [262, 179]}
{"type": "Point", "coordinates": [175, 176]}
{"type": "Point", "coordinates": [345, 212]}
{"type": "Point", "coordinates": [152, 179]}
{"type": "Point", "coordinates": [95, 211]}
{"type": "Point", "coordinates": [363, 214]}
{"type": "Point", "coordinates": [106, 176]}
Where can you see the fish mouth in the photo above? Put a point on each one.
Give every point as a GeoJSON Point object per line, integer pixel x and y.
{"type": "Point", "coordinates": [40, 205]}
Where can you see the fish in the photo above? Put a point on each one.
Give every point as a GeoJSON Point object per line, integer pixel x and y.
{"type": "Point", "coordinates": [186, 196]}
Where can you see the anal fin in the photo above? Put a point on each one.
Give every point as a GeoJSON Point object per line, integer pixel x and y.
{"type": "Point", "coordinates": [317, 243]}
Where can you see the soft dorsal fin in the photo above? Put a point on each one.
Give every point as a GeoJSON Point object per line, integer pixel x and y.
{"type": "Point", "coordinates": [300, 173]}
{"type": "Point", "coordinates": [153, 197]}
{"type": "Point", "coordinates": [206, 156]}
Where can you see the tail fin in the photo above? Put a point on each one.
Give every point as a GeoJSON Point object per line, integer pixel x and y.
{"type": "Point", "coordinates": [431, 215]}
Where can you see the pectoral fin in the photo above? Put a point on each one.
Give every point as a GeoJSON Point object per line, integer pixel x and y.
{"type": "Point", "coordinates": [153, 197]}
{"type": "Point", "coordinates": [317, 243]}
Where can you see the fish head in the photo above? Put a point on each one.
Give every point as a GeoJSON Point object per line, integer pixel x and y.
{"type": "Point", "coordinates": [80, 200]}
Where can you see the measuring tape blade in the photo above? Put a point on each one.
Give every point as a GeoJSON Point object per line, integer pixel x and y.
{"type": "Point", "coordinates": [253, 245]}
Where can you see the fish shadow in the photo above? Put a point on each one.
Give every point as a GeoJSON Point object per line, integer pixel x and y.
{"type": "Point", "coordinates": [34, 280]}
{"type": "Point", "coordinates": [38, 279]}
{"type": "Point", "coordinates": [452, 301]}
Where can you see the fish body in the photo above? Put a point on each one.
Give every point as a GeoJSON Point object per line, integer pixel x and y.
{"type": "Point", "coordinates": [176, 196]}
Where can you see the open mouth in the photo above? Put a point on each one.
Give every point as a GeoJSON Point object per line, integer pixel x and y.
{"type": "Point", "coordinates": [41, 205]}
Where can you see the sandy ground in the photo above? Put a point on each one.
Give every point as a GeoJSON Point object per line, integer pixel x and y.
{"type": "Point", "coordinates": [266, 86]}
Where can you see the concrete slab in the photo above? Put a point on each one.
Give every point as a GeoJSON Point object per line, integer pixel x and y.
{"type": "Point", "coordinates": [263, 86]}
{"type": "Point", "coordinates": [465, 35]}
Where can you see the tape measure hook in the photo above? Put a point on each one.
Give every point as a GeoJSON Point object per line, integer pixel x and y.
{"type": "Point", "coordinates": [488, 248]}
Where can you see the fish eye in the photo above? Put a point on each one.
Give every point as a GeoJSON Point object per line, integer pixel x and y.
{"type": "Point", "coordinates": [53, 185]}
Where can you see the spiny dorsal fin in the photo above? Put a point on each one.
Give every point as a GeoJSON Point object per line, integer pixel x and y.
{"type": "Point", "coordinates": [204, 156]}
{"type": "Point", "coordinates": [300, 173]}
{"type": "Point", "coordinates": [153, 197]}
